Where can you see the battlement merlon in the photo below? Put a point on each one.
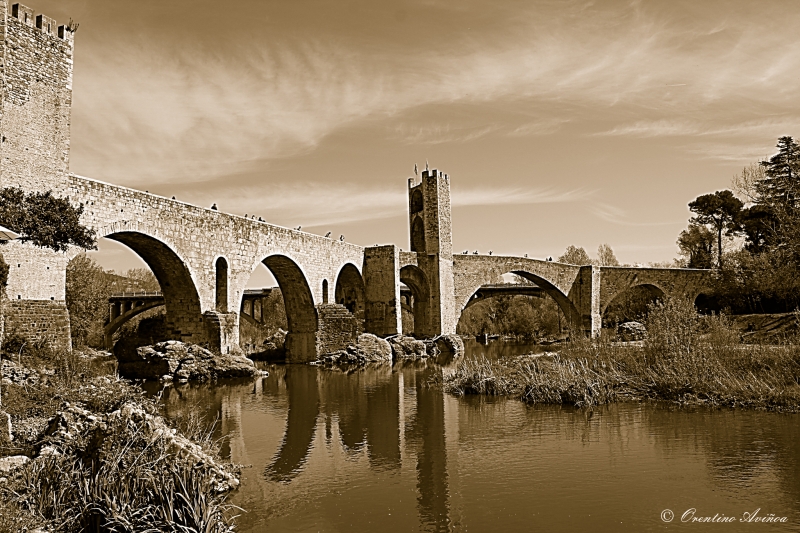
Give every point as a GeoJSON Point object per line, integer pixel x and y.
{"type": "Point", "coordinates": [434, 173]}
{"type": "Point", "coordinates": [41, 22]}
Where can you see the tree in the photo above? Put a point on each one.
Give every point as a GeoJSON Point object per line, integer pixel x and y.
{"type": "Point", "coordinates": [746, 184]}
{"type": "Point", "coordinates": [780, 187]}
{"type": "Point", "coordinates": [575, 256]}
{"type": "Point", "coordinates": [721, 211]}
{"type": "Point", "coordinates": [44, 220]}
{"type": "Point", "coordinates": [605, 256]}
{"type": "Point", "coordinates": [759, 225]}
{"type": "Point", "coordinates": [88, 289]}
{"type": "Point", "coordinates": [697, 245]}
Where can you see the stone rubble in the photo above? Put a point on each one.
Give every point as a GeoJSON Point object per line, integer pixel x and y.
{"type": "Point", "coordinates": [182, 362]}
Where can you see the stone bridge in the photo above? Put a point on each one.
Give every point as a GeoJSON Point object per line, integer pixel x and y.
{"type": "Point", "coordinates": [204, 258]}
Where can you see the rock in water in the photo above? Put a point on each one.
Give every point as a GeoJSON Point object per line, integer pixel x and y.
{"type": "Point", "coordinates": [450, 345]}
{"type": "Point", "coordinates": [373, 349]}
{"type": "Point", "coordinates": [182, 362]}
{"type": "Point", "coordinates": [407, 348]}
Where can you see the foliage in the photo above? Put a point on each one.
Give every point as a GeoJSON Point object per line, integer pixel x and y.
{"type": "Point", "coordinates": [129, 480]}
{"type": "Point", "coordinates": [575, 256]}
{"type": "Point", "coordinates": [632, 304]}
{"type": "Point", "coordinates": [605, 256]}
{"type": "Point", "coordinates": [697, 245]}
{"type": "Point", "coordinates": [141, 279]}
{"type": "Point", "coordinates": [687, 359]}
{"type": "Point", "coordinates": [767, 282]}
{"type": "Point", "coordinates": [4, 268]}
{"type": "Point", "coordinates": [43, 219]}
{"type": "Point", "coordinates": [780, 186]}
{"type": "Point", "coordinates": [720, 210]}
{"type": "Point", "coordinates": [513, 315]}
{"type": "Point", "coordinates": [88, 289]}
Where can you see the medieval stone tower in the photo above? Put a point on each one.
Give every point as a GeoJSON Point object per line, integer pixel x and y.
{"type": "Point", "coordinates": [430, 222]}
{"type": "Point", "coordinates": [36, 80]}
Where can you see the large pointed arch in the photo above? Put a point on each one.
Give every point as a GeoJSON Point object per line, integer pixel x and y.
{"type": "Point", "coordinates": [301, 315]}
{"type": "Point", "coordinates": [181, 299]}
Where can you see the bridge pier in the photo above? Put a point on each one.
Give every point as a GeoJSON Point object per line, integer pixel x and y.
{"type": "Point", "coordinates": [382, 290]}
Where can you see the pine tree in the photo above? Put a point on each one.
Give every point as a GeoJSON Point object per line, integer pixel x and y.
{"type": "Point", "coordinates": [780, 187]}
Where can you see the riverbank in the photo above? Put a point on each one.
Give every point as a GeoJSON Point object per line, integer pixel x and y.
{"type": "Point", "coordinates": [686, 359]}
{"type": "Point", "coordinates": [92, 452]}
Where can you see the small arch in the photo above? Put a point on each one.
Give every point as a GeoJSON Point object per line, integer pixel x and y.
{"type": "Point", "coordinates": [324, 291]}
{"type": "Point", "coordinates": [418, 235]}
{"type": "Point", "coordinates": [416, 280]}
{"type": "Point", "coordinates": [221, 285]}
{"type": "Point", "coordinates": [416, 202]}
{"type": "Point", "coordinates": [707, 304]}
{"type": "Point", "coordinates": [349, 290]}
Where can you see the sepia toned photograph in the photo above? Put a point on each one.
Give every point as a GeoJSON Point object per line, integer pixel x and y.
{"type": "Point", "coordinates": [410, 266]}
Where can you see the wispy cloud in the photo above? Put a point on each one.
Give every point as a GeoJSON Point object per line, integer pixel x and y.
{"type": "Point", "coordinates": [316, 204]}
{"type": "Point", "coordinates": [190, 115]}
{"type": "Point", "coordinates": [616, 215]}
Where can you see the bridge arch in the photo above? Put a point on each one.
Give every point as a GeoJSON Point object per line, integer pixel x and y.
{"type": "Point", "coordinates": [301, 315]}
{"type": "Point", "coordinates": [350, 289]}
{"type": "Point", "coordinates": [416, 280]}
{"type": "Point", "coordinates": [177, 282]}
{"type": "Point", "coordinates": [571, 313]}
{"type": "Point", "coordinates": [631, 302]}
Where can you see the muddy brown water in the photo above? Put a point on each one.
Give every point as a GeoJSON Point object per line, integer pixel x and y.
{"type": "Point", "coordinates": [379, 450]}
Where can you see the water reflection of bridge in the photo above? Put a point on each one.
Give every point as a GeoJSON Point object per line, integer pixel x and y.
{"type": "Point", "coordinates": [389, 415]}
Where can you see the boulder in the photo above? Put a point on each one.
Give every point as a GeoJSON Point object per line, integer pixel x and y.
{"type": "Point", "coordinates": [373, 349]}
{"type": "Point", "coordinates": [182, 362]}
{"type": "Point", "coordinates": [7, 464]}
{"type": "Point", "coordinates": [273, 348]}
{"type": "Point", "coordinates": [450, 345]}
{"type": "Point", "coordinates": [407, 347]}
{"type": "Point", "coordinates": [631, 331]}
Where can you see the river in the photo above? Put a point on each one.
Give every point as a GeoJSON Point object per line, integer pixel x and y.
{"type": "Point", "coordinates": [379, 450]}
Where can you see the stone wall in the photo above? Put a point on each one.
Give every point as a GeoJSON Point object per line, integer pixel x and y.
{"type": "Point", "coordinates": [37, 100]}
{"type": "Point", "coordinates": [34, 155]}
{"type": "Point", "coordinates": [39, 320]}
{"type": "Point", "coordinates": [683, 282]}
{"type": "Point", "coordinates": [382, 290]}
{"type": "Point", "coordinates": [338, 328]}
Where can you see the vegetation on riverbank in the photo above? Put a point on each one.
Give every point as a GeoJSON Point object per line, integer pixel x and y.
{"type": "Point", "coordinates": [686, 358]}
{"type": "Point", "coordinates": [102, 457]}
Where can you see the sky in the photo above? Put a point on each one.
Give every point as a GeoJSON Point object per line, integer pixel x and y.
{"type": "Point", "coordinates": [560, 123]}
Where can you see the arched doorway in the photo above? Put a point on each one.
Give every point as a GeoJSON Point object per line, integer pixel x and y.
{"type": "Point", "coordinates": [221, 292]}
{"type": "Point", "coordinates": [416, 280]}
{"type": "Point", "coordinates": [349, 290]}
